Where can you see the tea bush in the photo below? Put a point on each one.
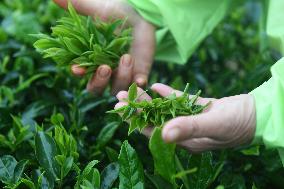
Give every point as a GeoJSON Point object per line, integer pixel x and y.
{"type": "Point", "coordinates": [54, 134]}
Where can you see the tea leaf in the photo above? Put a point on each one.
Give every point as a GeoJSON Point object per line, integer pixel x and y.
{"type": "Point", "coordinates": [75, 35]}
{"type": "Point", "coordinates": [19, 169]}
{"type": "Point", "coordinates": [89, 167]}
{"type": "Point", "coordinates": [163, 155]}
{"type": "Point", "coordinates": [132, 92]}
{"type": "Point", "coordinates": [7, 166]}
{"type": "Point", "coordinates": [157, 111]}
{"type": "Point", "coordinates": [107, 133]}
{"type": "Point", "coordinates": [109, 175]}
{"type": "Point", "coordinates": [45, 149]}
{"type": "Point", "coordinates": [130, 168]}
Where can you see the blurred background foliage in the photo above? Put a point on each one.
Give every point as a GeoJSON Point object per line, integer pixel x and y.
{"type": "Point", "coordinates": [234, 59]}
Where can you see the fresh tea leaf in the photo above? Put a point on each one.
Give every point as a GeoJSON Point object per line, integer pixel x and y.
{"type": "Point", "coordinates": [19, 170]}
{"type": "Point", "coordinates": [130, 168]}
{"type": "Point", "coordinates": [107, 133]}
{"type": "Point", "coordinates": [109, 175]}
{"type": "Point", "coordinates": [158, 110]}
{"type": "Point", "coordinates": [7, 166]}
{"type": "Point", "coordinates": [132, 92]}
{"type": "Point", "coordinates": [76, 38]}
{"type": "Point", "coordinates": [163, 155]}
{"type": "Point", "coordinates": [45, 149]}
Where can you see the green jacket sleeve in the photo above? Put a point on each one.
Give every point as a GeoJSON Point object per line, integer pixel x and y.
{"type": "Point", "coordinates": [182, 24]}
{"type": "Point", "coordinates": [269, 97]}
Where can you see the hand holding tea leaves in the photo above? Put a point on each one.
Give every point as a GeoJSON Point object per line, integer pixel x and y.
{"type": "Point", "coordinates": [142, 47]}
{"type": "Point", "coordinates": [226, 122]}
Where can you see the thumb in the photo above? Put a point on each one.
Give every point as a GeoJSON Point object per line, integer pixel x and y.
{"type": "Point", "coordinates": [189, 127]}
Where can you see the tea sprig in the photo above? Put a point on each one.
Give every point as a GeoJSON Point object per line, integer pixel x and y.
{"type": "Point", "coordinates": [157, 111]}
{"type": "Point", "coordinates": [80, 40]}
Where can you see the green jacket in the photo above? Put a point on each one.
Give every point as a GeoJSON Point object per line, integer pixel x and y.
{"type": "Point", "coordinates": [183, 24]}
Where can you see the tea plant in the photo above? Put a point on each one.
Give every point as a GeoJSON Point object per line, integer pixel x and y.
{"type": "Point", "coordinates": [36, 94]}
{"type": "Point", "coordinates": [156, 112]}
{"type": "Point", "coordinates": [79, 40]}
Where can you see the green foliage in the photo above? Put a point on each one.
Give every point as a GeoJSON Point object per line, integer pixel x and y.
{"type": "Point", "coordinates": [157, 111]}
{"type": "Point", "coordinates": [130, 168]}
{"type": "Point", "coordinates": [163, 155]}
{"type": "Point", "coordinates": [38, 97]}
{"type": "Point", "coordinates": [109, 175]}
{"type": "Point", "coordinates": [78, 40]}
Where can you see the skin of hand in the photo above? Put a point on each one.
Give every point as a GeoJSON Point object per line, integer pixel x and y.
{"type": "Point", "coordinates": [142, 48]}
{"type": "Point", "coordinates": [227, 122]}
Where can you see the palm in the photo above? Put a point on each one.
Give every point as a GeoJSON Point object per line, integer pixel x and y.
{"type": "Point", "coordinates": [227, 122]}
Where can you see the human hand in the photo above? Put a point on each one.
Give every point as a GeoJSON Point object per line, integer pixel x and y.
{"type": "Point", "coordinates": [142, 48]}
{"type": "Point", "coordinates": [227, 122]}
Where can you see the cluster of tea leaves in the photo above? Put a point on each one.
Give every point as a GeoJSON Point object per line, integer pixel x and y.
{"type": "Point", "coordinates": [80, 40]}
{"type": "Point", "coordinates": [158, 110]}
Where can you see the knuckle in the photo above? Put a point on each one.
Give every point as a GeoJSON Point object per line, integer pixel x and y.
{"type": "Point", "coordinates": [193, 126]}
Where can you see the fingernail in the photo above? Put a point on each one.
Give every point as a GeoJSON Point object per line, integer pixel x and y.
{"type": "Point", "coordinates": [172, 135]}
{"type": "Point", "coordinates": [118, 95]}
{"type": "Point", "coordinates": [141, 82]}
{"type": "Point", "coordinates": [126, 60]}
{"type": "Point", "coordinates": [104, 72]}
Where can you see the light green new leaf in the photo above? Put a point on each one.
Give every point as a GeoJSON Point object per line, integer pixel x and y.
{"type": "Point", "coordinates": [68, 165]}
{"type": "Point", "coordinates": [118, 43]}
{"type": "Point", "coordinates": [43, 44]}
{"type": "Point", "coordinates": [57, 119]}
{"type": "Point", "coordinates": [74, 14]}
{"type": "Point", "coordinates": [130, 168]}
{"type": "Point", "coordinates": [133, 124]}
{"type": "Point", "coordinates": [73, 45]}
{"type": "Point", "coordinates": [132, 92]}
{"type": "Point", "coordinates": [89, 167]}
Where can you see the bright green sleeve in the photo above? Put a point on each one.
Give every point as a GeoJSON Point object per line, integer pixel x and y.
{"type": "Point", "coordinates": [269, 97]}
{"type": "Point", "coordinates": [182, 24]}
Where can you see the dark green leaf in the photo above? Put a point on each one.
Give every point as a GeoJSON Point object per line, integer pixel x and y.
{"type": "Point", "coordinates": [159, 182]}
{"type": "Point", "coordinates": [107, 133]}
{"type": "Point", "coordinates": [163, 155]}
{"type": "Point", "coordinates": [7, 166]}
{"type": "Point", "coordinates": [19, 169]}
{"type": "Point", "coordinates": [112, 154]}
{"type": "Point", "coordinates": [130, 168]}
{"type": "Point", "coordinates": [205, 172]}
{"type": "Point", "coordinates": [46, 151]}
{"type": "Point", "coordinates": [109, 175]}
